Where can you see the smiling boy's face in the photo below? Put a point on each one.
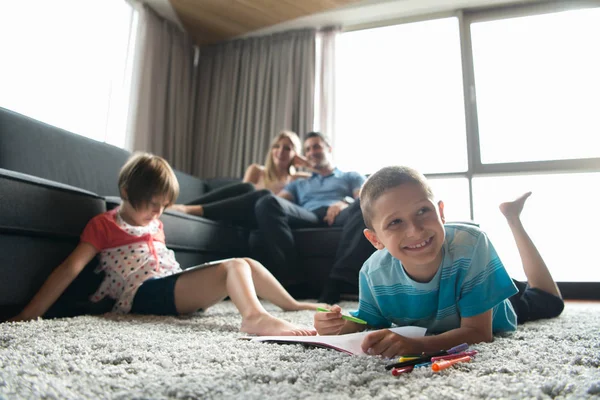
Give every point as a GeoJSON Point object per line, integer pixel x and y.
{"type": "Point", "coordinates": [411, 227]}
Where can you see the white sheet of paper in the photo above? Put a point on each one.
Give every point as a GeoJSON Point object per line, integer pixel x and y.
{"type": "Point", "coordinates": [349, 343]}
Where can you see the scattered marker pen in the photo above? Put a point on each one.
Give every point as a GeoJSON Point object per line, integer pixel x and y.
{"type": "Point", "coordinates": [425, 364]}
{"type": "Point", "coordinates": [443, 364]}
{"type": "Point", "coordinates": [427, 357]}
{"type": "Point", "coordinates": [398, 371]}
{"type": "Point", "coordinates": [453, 356]}
{"type": "Point", "coordinates": [346, 317]}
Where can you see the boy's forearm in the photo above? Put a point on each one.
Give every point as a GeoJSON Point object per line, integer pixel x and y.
{"type": "Point", "coordinates": [454, 337]}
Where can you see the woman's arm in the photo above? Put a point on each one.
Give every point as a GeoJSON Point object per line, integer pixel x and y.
{"type": "Point", "coordinates": [253, 174]}
{"type": "Point", "coordinates": [57, 282]}
{"type": "Point", "coordinates": [301, 175]}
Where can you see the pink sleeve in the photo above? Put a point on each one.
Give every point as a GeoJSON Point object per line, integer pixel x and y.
{"type": "Point", "coordinates": [95, 233]}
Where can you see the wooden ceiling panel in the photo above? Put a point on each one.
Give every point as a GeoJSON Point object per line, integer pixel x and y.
{"type": "Point", "coordinates": [211, 21]}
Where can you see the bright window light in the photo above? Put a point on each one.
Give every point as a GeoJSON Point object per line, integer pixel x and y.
{"type": "Point", "coordinates": [560, 216]}
{"type": "Point", "coordinates": [538, 86]}
{"type": "Point", "coordinates": [66, 63]}
{"type": "Point", "coordinates": [399, 98]}
{"type": "Point", "coordinates": [454, 192]}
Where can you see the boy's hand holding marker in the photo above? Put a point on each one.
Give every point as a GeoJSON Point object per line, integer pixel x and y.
{"type": "Point", "coordinates": [332, 321]}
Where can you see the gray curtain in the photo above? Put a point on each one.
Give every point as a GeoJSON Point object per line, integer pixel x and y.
{"type": "Point", "coordinates": [163, 91]}
{"type": "Point", "coordinates": [326, 76]}
{"type": "Point", "coordinates": [249, 90]}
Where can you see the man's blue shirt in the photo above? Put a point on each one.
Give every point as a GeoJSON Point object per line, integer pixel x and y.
{"type": "Point", "coordinates": [322, 191]}
{"type": "Point", "coordinates": [471, 280]}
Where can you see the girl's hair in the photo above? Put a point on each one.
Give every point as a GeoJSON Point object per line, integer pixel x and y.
{"type": "Point", "coordinates": [145, 176]}
{"type": "Point", "coordinates": [385, 179]}
{"type": "Point", "coordinates": [270, 172]}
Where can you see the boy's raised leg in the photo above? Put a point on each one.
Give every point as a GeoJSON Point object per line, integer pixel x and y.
{"type": "Point", "coordinates": [538, 275]}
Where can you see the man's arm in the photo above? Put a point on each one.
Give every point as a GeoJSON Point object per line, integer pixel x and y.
{"type": "Point", "coordinates": [333, 211]}
{"type": "Point", "coordinates": [286, 195]}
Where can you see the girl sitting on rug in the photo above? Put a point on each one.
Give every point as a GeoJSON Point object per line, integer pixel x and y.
{"type": "Point", "coordinates": [142, 274]}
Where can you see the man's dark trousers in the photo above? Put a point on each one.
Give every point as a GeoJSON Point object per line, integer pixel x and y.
{"type": "Point", "coordinates": [277, 216]}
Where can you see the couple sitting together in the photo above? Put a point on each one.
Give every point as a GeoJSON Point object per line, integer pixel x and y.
{"type": "Point", "coordinates": [276, 198]}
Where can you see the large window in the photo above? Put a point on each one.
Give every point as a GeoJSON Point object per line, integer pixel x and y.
{"type": "Point", "coordinates": [68, 63]}
{"type": "Point", "coordinates": [538, 86]}
{"type": "Point", "coordinates": [400, 98]}
{"type": "Point", "coordinates": [529, 122]}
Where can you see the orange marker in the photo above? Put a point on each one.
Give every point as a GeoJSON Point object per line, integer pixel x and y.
{"type": "Point", "coordinates": [443, 364]}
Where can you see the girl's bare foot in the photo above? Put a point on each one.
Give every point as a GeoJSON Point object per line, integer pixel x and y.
{"type": "Point", "coordinates": [299, 305]}
{"type": "Point", "coordinates": [268, 325]}
{"type": "Point", "coordinates": [512, 209]}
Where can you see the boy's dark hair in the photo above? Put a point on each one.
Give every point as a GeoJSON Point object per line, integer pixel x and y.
{"type": "Point", "coordinates": [145, 176]}
{"type": "Point", "coordinates": [385, 179]}
{"type": "Point", "coordinates": [321, 136]}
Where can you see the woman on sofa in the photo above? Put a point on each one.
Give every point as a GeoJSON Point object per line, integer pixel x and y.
{"type": "Point", "coordinates": [235, 203]}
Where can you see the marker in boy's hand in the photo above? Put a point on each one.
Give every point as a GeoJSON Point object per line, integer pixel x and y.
{"type": "Point", "coordinates": [332, 321]}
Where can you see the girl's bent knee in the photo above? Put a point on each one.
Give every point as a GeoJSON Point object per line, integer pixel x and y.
{"type": "Point", "coordinates": [236, 264]}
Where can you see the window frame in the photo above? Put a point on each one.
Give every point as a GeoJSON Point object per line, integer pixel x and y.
{"type": "Point", "coordinates": [475, 168]}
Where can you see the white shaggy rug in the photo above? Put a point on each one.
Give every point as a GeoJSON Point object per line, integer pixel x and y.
{"type": "Point", "coordinates": [127, 357]}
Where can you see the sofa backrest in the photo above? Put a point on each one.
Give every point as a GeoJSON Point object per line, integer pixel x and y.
{"type": "Point", "coordinates": [36, 148]}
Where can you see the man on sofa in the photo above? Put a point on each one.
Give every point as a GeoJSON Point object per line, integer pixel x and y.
{"type": "Point", "coordinates": [328, 197]}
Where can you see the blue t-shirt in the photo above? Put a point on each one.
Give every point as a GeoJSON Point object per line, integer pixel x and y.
{"type": "Point", "coordinates": [471, 280]}
{"type": "Point", "coordinates": [322, 191]}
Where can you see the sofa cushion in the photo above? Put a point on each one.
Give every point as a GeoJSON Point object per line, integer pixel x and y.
{"type": "Point", "coordinates": [190, 187]}
{"type": "Point", "coordinates": [39, 149]}
{"type": "Point", "coordinates": [40, 206]}
{"type": "Point", "coordinates": [43, 150]}
{"type": "Point", "coordinates": [40, 222]}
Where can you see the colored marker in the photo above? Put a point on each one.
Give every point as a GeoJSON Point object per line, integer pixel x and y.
{"type": "Point", "coordinates": [407, 358]}
{"type": "Point", "coordinates": [453, 356]}
{"type": "Point", "coordinates": [443, 364]}
{"type": "Point", "coordinates": [425, 364]}
{"type": "Point", "coordinates": [398, 371]}
{"type": "Point", "coordinates": [427, 357]}
{"type": "Point", "coordinates": [346, 317]}
{"type": "Point", "coordinates": [457, 349]}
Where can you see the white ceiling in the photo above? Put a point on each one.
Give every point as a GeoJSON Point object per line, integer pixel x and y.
{"type": "Point", "coordinates": [364, 12]}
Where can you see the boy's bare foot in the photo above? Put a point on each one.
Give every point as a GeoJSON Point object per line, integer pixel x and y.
{"type": "Point", "coordinates": [300, 305]}
{"type": "Point", "coordinates": [512, 209]}
{"type": "Point", "coordinates": [268, 325]}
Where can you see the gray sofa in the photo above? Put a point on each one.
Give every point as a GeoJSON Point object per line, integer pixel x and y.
{"type": "Point", "coordinates": [52, 182]}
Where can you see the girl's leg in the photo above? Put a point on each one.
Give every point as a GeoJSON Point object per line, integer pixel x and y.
{"type": "Point", "coordinates": [269, 288]}
{"type": "Point", "coordinates": [538, 275]}
{"type": "Point", "coordinates": [205, 287]}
